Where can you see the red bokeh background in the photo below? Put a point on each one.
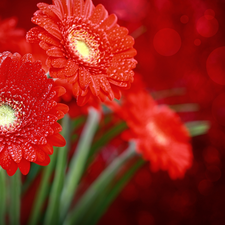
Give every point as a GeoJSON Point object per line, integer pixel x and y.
{"type": "Point", "coordinates": [181, 49]}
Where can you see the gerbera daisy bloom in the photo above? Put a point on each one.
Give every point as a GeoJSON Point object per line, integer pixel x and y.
{"type": "Point", "coordinates": [28, 113]}
{"type": "Point", "coordinates": [86, 47]}
{"type": "Point", "coordinates": [161, 136]}
{"type": "Point", "coordinates": [12, 38]}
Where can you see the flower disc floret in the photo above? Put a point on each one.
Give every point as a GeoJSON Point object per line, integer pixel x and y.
{"type": "Point", "coordinates": [28, 113]}
{"type": "Point", "coordinates": [86, 47]}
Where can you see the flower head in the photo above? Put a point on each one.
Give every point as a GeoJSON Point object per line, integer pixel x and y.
{"type": "Point", "coordinates": [86, 47]}
{"type": "Point", "coordinates": [161, 136]}
{"type": "Point", "coordinates": [28, 113]}
{"type": "Point", "coordinates": [12, 38]}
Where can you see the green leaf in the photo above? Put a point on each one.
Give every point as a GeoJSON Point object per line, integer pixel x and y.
{"type": "Point", "coordinates": [105, 138]}
{"type": "Point", "coordinates": [78, 162]}
{"type": "Point", "coordinates": [89, 198]}
{"type": "Point", "coordinates": [34, 171]}
{"type": "Point", "coordinates": [106, 198]}
{"type": "Point", "coordinates": [15, 193]}
{"type": "Point", "coordinates": [43, 191]}
{"type": "Point", "coordinates": [2, 196]}
{"type": "Point", "coordinates": [197, 127]}
{"type": "Point", "coordinates": [52, 212]}
{"type": "Point", "coordinates": [185, 107]}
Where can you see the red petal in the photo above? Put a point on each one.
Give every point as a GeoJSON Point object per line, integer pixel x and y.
{"type": "Point", "coordinates": [82, 100]}
{"type": "Point", "coordinates": [76, 89]}
{"type": "Point", "coordinates": [88, 8]}
{"type": "Point", "coordinates": [15, 152]}
{"type": "Point", "coordinates": [44, 45]}
{"type": "Point", "coordinates": [58, 62]}
{"type": "Point", "coordinates": [84, 78]}
{"type": "Point", "coordinates": [44, 36]}
{"type": "Point", "coordinates": [45, 162]}
{"type": "Point", "coordinates": [127, 54]}
{"type": "Point", "coordinates": [1, 147]}
{"type": "Point", "coordinates": [99, 14]}
{"type": "Point", "coordinates": [116, 33]}
{"type": "Point", "coordinates": [62, 107]}
{"type": "Point", "coordinates": [56, 127]}
{"type": "Point", "coordinates": [40, 155]}
{"type": "Point", "coordinates": [53, 30]}
{"type": "Point", "coordinates": [56, 73]}
{"type": "Point", "coordinates": [119, 84]}
{"type": "Point", "coordinates": [61, 5]}
{"type": "Point", "coordinates": [95, 86]}
{"type": "Point", "coordinates": [12, 169]}
{"type": "Point", "coordinates": [69, 70]}
{"type": "Point", "coordinates": [109, 22]}
{"type": "Point", "coordinates": [5, 159]}
{"type": "Point", "coordinates": [48, 149]}
{"type": "Point", "coordinates": [116, 91]}
{"type": "Point", "coordinates": [55, 52]}
{"type": "Point", "coordinates": [59, 90]}
{"type": "Point", "coordinates": [123, 44]}
{"type": "Point", "coordinates": [55, 10]}
{"type": "Point", "coordinates": [32, 34]}
{"type": "Point", "coordinates": [77, 8]}
{"type": "Point", "coordinates": [24, 166]}
{"type": "Point", "coordinates": [27, 58]}
{"type": "Point", "coordinates": [29, 153]}
{"type": "Point", "coordinates": [46, 10]}
{"type": "Point", "coordinates": [56, 140]}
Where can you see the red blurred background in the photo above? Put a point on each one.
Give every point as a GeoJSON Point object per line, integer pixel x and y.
{"type": "Point", "coordinates": [181, 56]}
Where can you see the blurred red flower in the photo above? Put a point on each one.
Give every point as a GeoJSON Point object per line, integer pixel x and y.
{"type": "Point", "coordinates": [28, 113]}
{"type": "Point", "coordinates": [161, 137]}
{"type": "Point", "coordinates": [86, 47]}
{"type": "Point", "coordinates": [12, 38]}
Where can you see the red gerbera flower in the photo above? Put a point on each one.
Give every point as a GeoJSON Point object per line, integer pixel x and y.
{"type": "Point", "coordinates": [28, 113]}
{"type": "Point", "coordinates": [12, 38]}
{"type": "Point", "coordinates": [86, 47]}
{"type": "Point", "coordinates": [161, 137]}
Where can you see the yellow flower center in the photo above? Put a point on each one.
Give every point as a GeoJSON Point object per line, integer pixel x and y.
{"type": "Point", "coordinates": [82, 48]}
{"type": "Point", "coordinates": [156, 132]}
{"type": "Point", "coordinates": [7, 115]}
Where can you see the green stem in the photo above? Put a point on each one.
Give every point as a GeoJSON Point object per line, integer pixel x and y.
{"type": "Point", "coordinates": [43, 191]}
{"type": "Point", "coordinates": [31, 176]}
{"type": "Point", "coordinates": [78, 162]}
{"type": "Point", "coordinates": [15, 192]}
{"type": "Point", "coordinates": [2, 196]}
{"type": "Point", "coordinates": [88, 200]}
{"type": "Point", "coordinates": [52, 213]}
{"type": "Point", "coordinates": [105, 138]}
{"type": "Point", "coordinates": [107, 197]}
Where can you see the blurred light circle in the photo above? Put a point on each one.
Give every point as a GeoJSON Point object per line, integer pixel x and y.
{"type": "Point", "coordinates": [205, 187]}
{"type": "Point", "coordinates": [197, 42]}
{"type": "Point", "coordinates": [209, 14]}
{"type": "Point", "coordinates": [167, 42]}
{"type": "Point", "coordinates": [145, 218]}
{"type": "Point", "coordinates": [130, 192]}
{"type": "Point", "coordinates": [213, 173]}
{"type": "Point", "coordinates": [207, 26]}
{"type": "Point", "coordinates": [215, 65]}
{"type": "Point", "coordinates": [211, 155]}
{"type": "Point", "coordinates": [184, 19]}
{"type": "Point", "coordinates": [218, 109]}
